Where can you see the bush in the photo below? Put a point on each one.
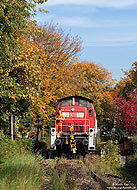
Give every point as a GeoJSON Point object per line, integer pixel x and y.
{"type": "Point", "coordinates": [21, 173]}
{"type": "Point", "coordinates": [10, 148]}
{"type": "Point", "coordinates": [129, 171]}
{"type": "Point", "coordinates": [27, 144]}
{"type": "Point", "coordinates": [109, 162]}
{"type": "Point", "coordinates": [2, 136]}
{"type": "Point", "coordinates": [112, 155]}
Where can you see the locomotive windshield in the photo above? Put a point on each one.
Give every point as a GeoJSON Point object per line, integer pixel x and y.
{"type": "Point", "coordinates": [66, 103]}
{"type": "Point", "coordinates": [75, 102]}
{"type": "Point", "coordinates": [84, 103]}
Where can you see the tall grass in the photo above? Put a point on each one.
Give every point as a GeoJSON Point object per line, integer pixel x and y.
{"type": "Point", "coordinates": [21, 173]}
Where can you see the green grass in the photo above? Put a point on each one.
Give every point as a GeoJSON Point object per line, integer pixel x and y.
{"type": "Point", "coordinates": [21, 173]}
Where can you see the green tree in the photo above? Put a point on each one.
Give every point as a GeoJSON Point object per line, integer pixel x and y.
{"type": "Point", "coordinates": [14, 24]}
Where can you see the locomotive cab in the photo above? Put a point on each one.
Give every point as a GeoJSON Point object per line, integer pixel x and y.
{"type": "Point", "coordinates": [75, 125]}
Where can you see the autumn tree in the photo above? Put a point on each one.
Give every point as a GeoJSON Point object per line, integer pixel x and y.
{"type": "Point", "coordinates": [94, 82]}
{"type": "Point", "coordinates": [38, 66]}
{"type": "Point", "coordinates": [128, 84]}
{"type": "Point", "coordinates": [126, 102]}
{"type": "Point", "coordinates": [127, 113]}
{"type": "Point", "coordinates": [14, 23]}
{"type": "Point", "coordinates": [56, 50]}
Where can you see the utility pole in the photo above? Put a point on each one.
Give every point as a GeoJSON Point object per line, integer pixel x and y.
{"type": "Point", "coordinates": [39, 130]}
{"type": "Point", "coordinates": [12, 126]}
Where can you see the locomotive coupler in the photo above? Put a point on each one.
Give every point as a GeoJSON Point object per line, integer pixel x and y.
{"type": "Point", "coordinates": [73, 146]}
{"type": "Point", "coordinates": [66, 140]}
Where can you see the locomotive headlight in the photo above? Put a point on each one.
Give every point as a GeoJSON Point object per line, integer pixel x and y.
{"type": "Point", "coordinates": [53, 132]}
{"type": "Point", "coordinates": [90, 132]}
{"type": "Point", "coordinates": [73, 109]}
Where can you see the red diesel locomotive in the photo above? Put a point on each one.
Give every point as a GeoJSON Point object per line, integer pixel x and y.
{"type": "Point", "coordinates": [75, 127]}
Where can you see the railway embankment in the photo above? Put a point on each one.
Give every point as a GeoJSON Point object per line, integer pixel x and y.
{"type": "Point", "coordinates": [63, 174]}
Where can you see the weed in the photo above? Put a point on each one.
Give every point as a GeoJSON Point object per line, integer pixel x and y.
{"type": "Point", "coordinates": [21, 173]}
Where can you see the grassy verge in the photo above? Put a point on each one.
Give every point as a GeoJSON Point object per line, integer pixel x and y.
{"type": "Point", "coordinates": [9, 148]}
{"type": "Point", "coordinates": [129, 171]}
{"type": "Point", "coordinates": [21, 173]}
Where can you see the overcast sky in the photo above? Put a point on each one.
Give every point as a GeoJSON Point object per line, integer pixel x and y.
{"type": "Point", "coordinates": [108, 29]}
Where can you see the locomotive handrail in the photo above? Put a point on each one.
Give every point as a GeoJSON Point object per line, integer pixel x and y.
{"type": "Point", "coordinates": [76, 119]}
{"type": "Point", "coordinates": [80, 124]}
{"type": "Point", "coordinates": [72, 119]}
{"type": "Point", "coordinates": [76, 125]}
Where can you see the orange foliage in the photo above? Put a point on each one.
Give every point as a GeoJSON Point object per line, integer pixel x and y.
{"type": "Point", "coordinates": [51, 73]}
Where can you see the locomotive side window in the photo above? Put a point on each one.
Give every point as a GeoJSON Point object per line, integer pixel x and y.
{"type": "Point", "coordinates": [90, 113]}
{"type": "Point", "coordinates": [84, 103]}
{"type": "Point", "coordinates": [66, 103]}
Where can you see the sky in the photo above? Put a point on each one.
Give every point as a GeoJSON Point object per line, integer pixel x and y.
{"type": "Point", "coordinates": [108, 29]}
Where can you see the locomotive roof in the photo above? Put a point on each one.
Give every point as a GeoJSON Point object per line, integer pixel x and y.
{"type": "Point", "coordinates": [80, 97]}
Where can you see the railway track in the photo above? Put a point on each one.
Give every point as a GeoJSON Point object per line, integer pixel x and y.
{"type": "Point", "coordinates": [109, 181]}
{"type": "Point", "coordinates": [79, 174]}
